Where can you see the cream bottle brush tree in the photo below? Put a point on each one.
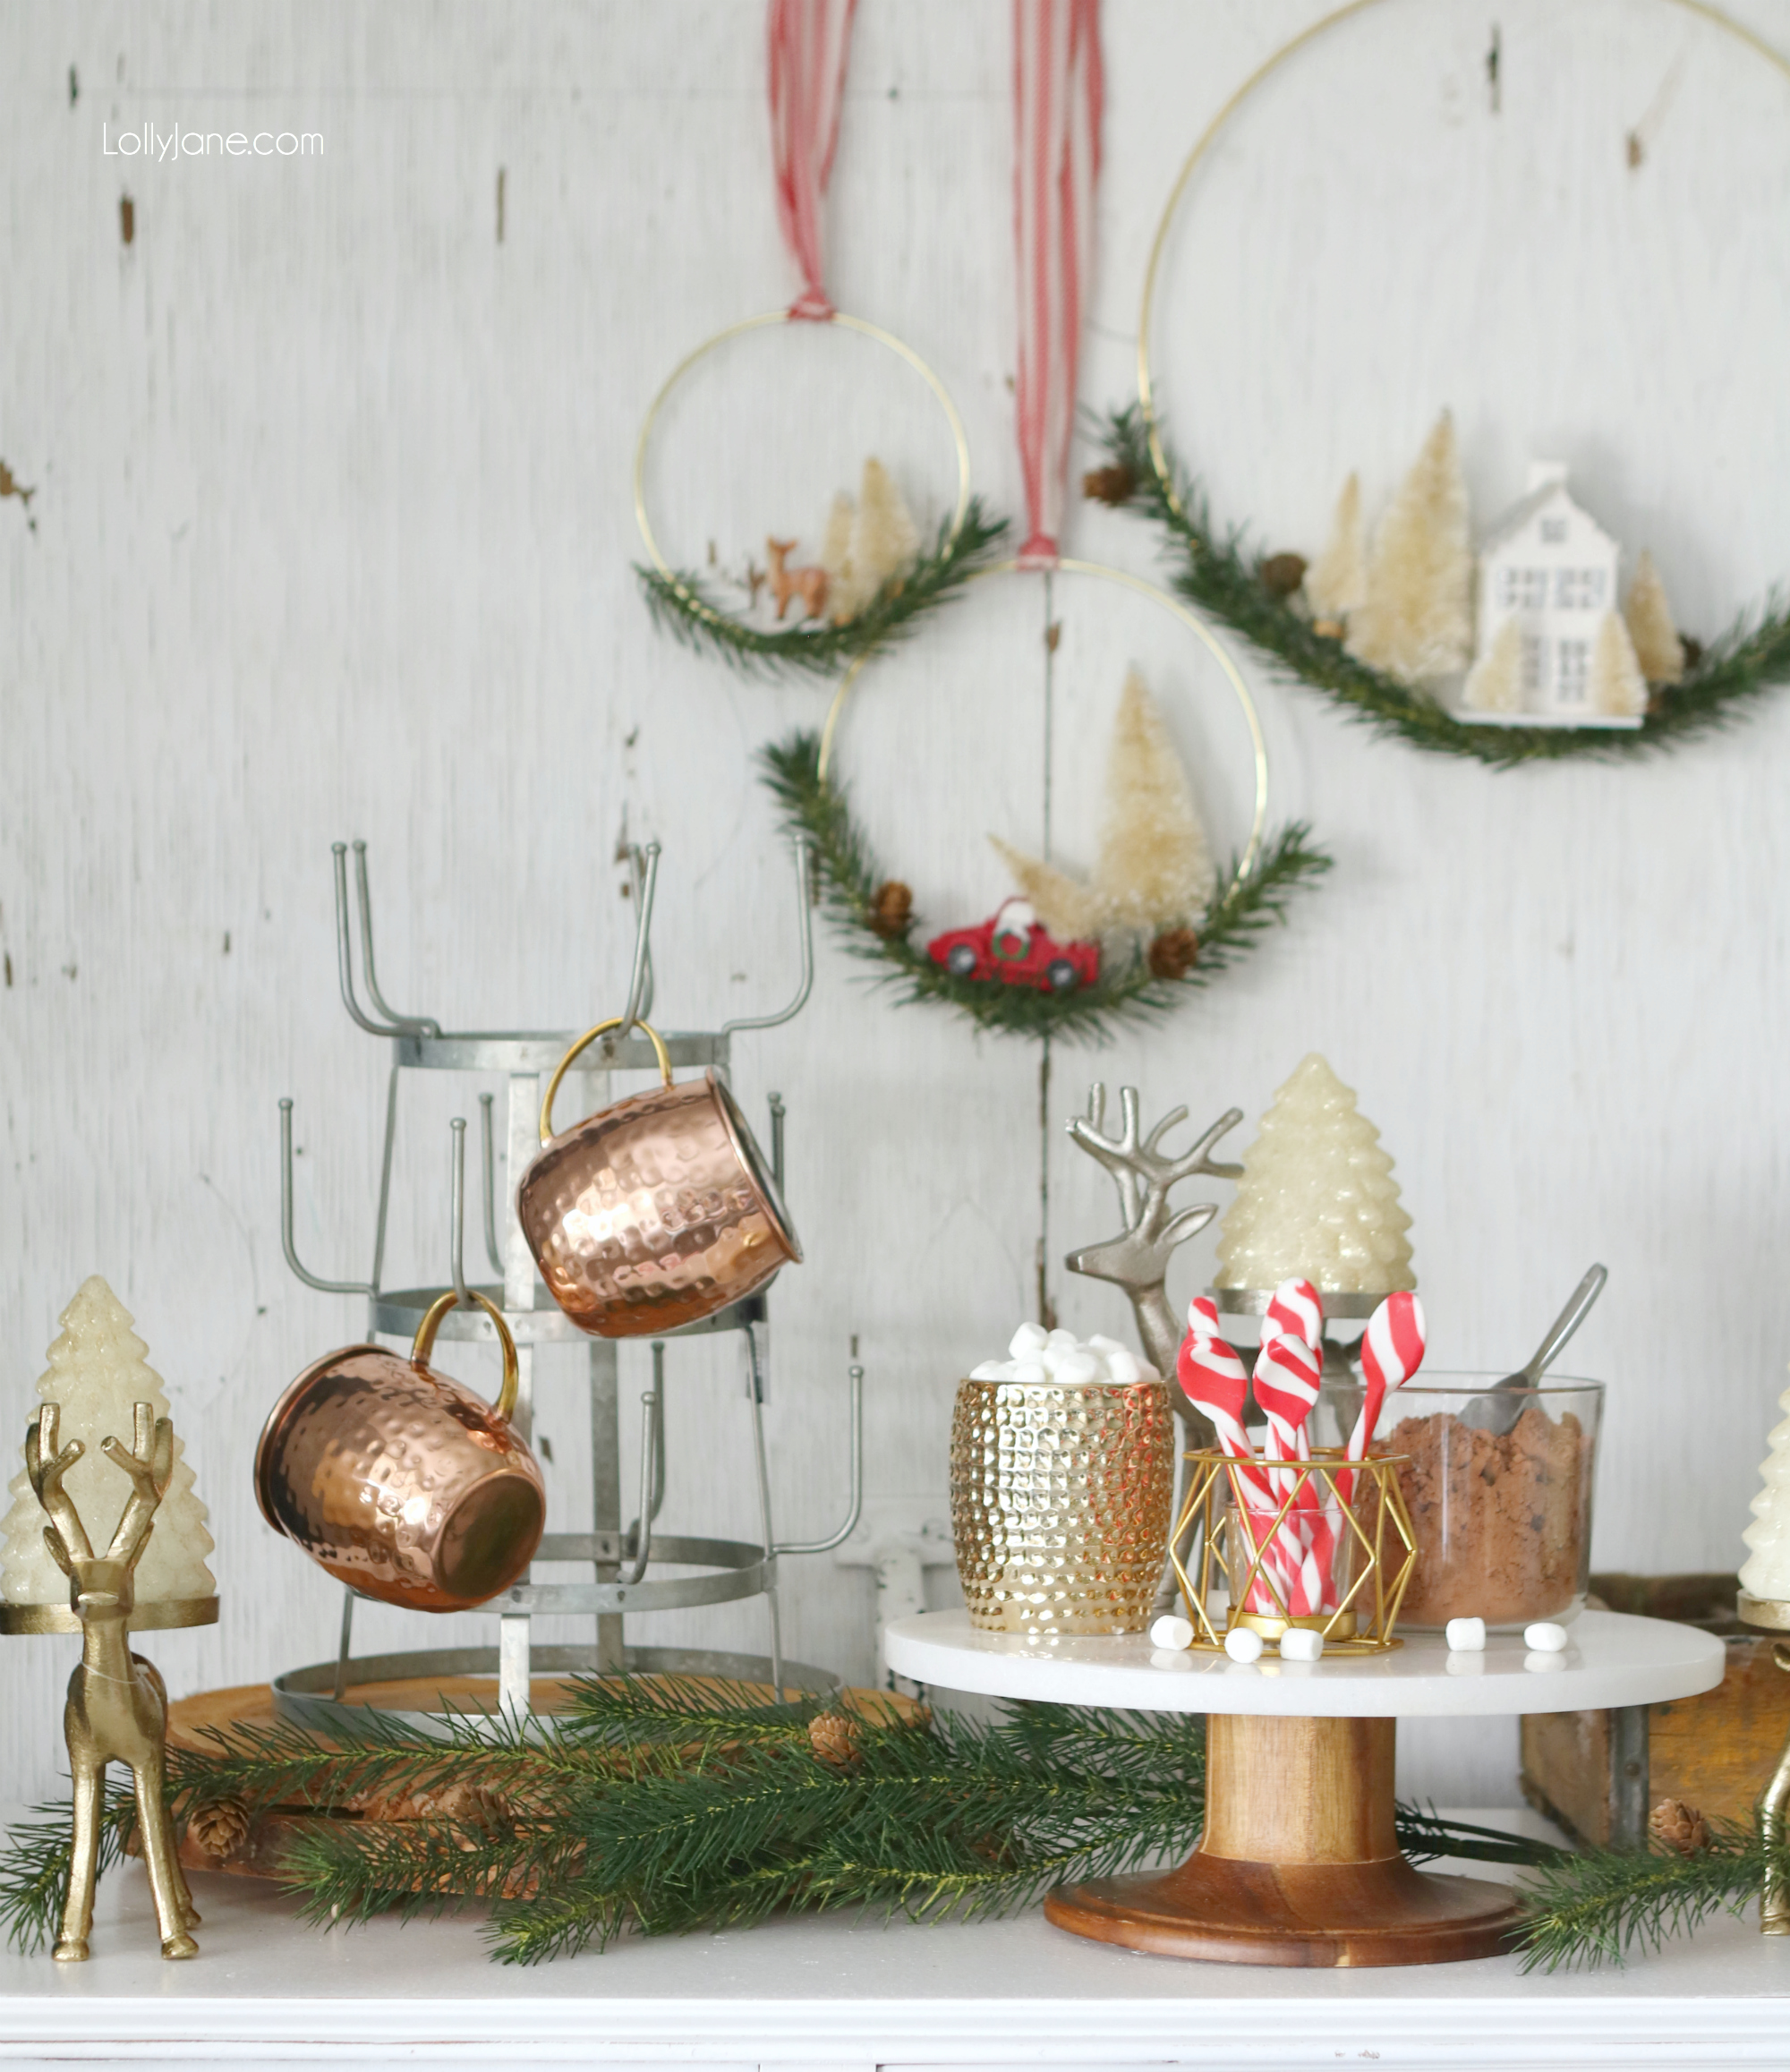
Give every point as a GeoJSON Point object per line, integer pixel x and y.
{"type": "Point", "coordinates": [1415, 619]}
{"type": "Point", "coordinates": [1658, 647]}
{"type": "Point", "coordinates": [1154, 871]}
{"type": "Point", "coordinates": [98, 1370]}
{"type": "Point", "coordinates": [869, 544]}
{"type": "Point", "coordinates": [1338, 582]}
{"type": "Point", "coordinates": [1317, 1201]}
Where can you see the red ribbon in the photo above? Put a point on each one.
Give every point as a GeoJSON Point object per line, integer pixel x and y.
{"type": "Point", "coordinates": [1057, 93]}
{"type": "Point", "coordinates": [807, 42]}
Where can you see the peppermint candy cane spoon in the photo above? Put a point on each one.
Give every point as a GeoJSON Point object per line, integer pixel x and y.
{"type": "Point", "coordinates": [1216, 1386]}
{"type": "Point", "coordinates": [1392, 1352]}
{"type": "Point", "coordinates": [1287, 1372]}
{"type": "Point", "coordinates": [1295, 1311]}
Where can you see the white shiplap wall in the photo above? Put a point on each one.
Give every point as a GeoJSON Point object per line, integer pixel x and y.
{"type": "Point", "coordinates": [333, 536]}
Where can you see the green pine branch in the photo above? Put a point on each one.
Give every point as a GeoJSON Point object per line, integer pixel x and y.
{"type": "Point", "coordinates": [1221, 575]}
{"type": "Point", "coordinates": [1247, 905]}
{"type": "Point", "coordinates": [36, 1862]}
{"type": "Point", "coordinates": [1607, 1904]}
{"type": "Point", "coordinates": [682, 606]}
{"type": "Point", "coordinates": [659, 1806]}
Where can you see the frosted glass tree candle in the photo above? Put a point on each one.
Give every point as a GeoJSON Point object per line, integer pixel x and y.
{"type": "Point", "coordinates": [1766, 1573]}
{"type": "Point", "coordinates": [1317, 1201]}
{"type": "Point", "coordinates": [97, 1371]}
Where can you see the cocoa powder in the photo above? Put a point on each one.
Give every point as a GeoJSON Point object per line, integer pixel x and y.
{"type": "Point", "coordinates": [1500, 1519]}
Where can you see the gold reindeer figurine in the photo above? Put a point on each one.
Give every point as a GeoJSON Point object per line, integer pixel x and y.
{"type": "Point", "coordinates": [118, 1705]}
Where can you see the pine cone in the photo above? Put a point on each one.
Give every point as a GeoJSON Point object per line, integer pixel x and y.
{"type": "Point", "coordinates": [1111, 486]}
{"type": "Point", "coordinates": [1674, 1825]}
{"type": "Point", "coordinates": [891, 909]}
{"type": "Point", "coordinates": [219, 1831]}
{"type": "Point", "coordinates": [1693, 651]}
{"type": "Point", "coordinates": [1173, 953]}
{"type": "Point", "coordinates": [834, 1739]}
{"type": "Point", "coordinates": [1282, 574]}
{"type": "Point", "coordinates": [469, 1805]}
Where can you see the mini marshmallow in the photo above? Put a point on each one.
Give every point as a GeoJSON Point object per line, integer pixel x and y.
{"type": "Point", "coordinates": [1171, 1631]}
{"type": "Point", "coordinates": [1301, 1644]}
{"type": "Point", "coordinates": [1545, 1637]}
{"type": "Point", "coordinates": [1037, 1355]}
{"type": "Point", "coordinates": [1467, 1636]}
{"type": "Point", "coordinates": [1243, 1644]}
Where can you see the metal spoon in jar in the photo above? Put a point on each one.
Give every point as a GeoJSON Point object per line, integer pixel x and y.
{"type": "Point", "coordinates": [1497, 1411]}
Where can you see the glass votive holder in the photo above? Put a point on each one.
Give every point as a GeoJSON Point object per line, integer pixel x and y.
{"type": "Point", "coordinates": [1499, 1492]}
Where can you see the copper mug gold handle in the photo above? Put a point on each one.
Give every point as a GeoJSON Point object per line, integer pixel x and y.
{"type": "Point", "coordinates": [590, 1036]}
{"type": "Point", "coordinates": [423, 1344]}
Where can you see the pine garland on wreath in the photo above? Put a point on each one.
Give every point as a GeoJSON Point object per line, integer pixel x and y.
{"type": "Point", "coordinates": [874, 917]}
{"type": "Point", "coordinates": [683, 607]}
{"type": "Point", "coordinates": [1248, 592]}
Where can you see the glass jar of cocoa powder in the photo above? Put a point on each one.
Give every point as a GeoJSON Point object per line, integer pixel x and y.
{"type": "Point", "coordinates": [1499, 1491]}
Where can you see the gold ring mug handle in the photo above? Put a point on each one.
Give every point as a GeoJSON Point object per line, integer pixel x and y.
{"type": "Point", "coordinates": [590, 1036]}
{"type": "Point", "coordinates": [423, 1344]}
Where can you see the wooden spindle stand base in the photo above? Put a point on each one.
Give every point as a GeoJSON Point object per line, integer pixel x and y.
{"type": "Point", "coordinates": [1299, 1863]}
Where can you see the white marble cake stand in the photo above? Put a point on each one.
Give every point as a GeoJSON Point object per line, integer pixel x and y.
{"type": "Point", "coordinates": [1299, 1863]}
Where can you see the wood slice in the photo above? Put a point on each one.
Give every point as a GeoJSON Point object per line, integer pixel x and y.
{"type": "Point", "coordinates": [254, 1849]}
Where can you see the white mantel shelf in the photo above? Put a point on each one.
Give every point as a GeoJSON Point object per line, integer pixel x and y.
{"type": "Point", "coordinates": [850, 1995]}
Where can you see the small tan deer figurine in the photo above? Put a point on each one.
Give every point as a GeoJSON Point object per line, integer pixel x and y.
{"type": "Point", "coordinates": [810, 584]}
{"type": "Point", "coordinates": [118, 1706]}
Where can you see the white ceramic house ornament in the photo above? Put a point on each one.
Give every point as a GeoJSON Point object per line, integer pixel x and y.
{"type": "Point", "coordinates": [1544, 653]}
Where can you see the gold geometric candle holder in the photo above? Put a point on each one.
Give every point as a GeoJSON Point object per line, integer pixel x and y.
{"type": "Point", "coordinates": [1241, 1517]}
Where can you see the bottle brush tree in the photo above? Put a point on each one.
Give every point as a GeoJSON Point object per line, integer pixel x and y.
{"type": "Point", "coordinates": [1338, 582]}
{"type": "Point", "coordinates": [1649, 617]}
{"type": "Point", "coordinates": [1415, 620]}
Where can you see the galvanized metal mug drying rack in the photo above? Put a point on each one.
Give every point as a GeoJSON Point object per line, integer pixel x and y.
{"type": "Point", "coordinates": [618, 1556]}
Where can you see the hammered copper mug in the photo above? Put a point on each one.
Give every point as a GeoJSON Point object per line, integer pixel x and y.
{"type": "Point", "coordinates": [399, 1481]}
{"type": "Point", "coordinates": [655, 1212]}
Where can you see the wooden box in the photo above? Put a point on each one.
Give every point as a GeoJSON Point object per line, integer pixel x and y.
{"type": "Point", "coordinates": [1598, 1774]}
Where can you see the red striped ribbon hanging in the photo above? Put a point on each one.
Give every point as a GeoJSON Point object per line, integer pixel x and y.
{"type": "Point", "coordinates": [1057, 93]}
{"type": "Point", "coordinates": [807, 42]}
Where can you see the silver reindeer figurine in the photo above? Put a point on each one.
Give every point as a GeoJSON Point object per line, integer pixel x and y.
{"type": "Point", "coordinates": [1137, 1259]}
{"type": "Point", "coordinates": [118, 1706]}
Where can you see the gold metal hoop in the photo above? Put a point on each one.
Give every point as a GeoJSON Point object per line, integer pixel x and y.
{"type": "Point", "coordinates": [1147, 397]}
{"type": "Point", "coordinates": [589, 1037]}
{"type": "Point", "coordinates": [887, 339]}
{"type": "Point", "coordinates": [423, 1344]}
{"type": "Point", "coordinates": [1188, 617]}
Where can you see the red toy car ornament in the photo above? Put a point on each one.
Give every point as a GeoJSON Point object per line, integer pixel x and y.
{"type": "Point", "coordinates": [1015, 948]}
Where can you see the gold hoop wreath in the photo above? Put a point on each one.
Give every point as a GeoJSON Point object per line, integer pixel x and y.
{"type": "Point", "coordinates": [1022, 982]}
{"type": "Point", "coordinates": [1218, 572]}
{"type": "Point", "coordinates": [815, 646]}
